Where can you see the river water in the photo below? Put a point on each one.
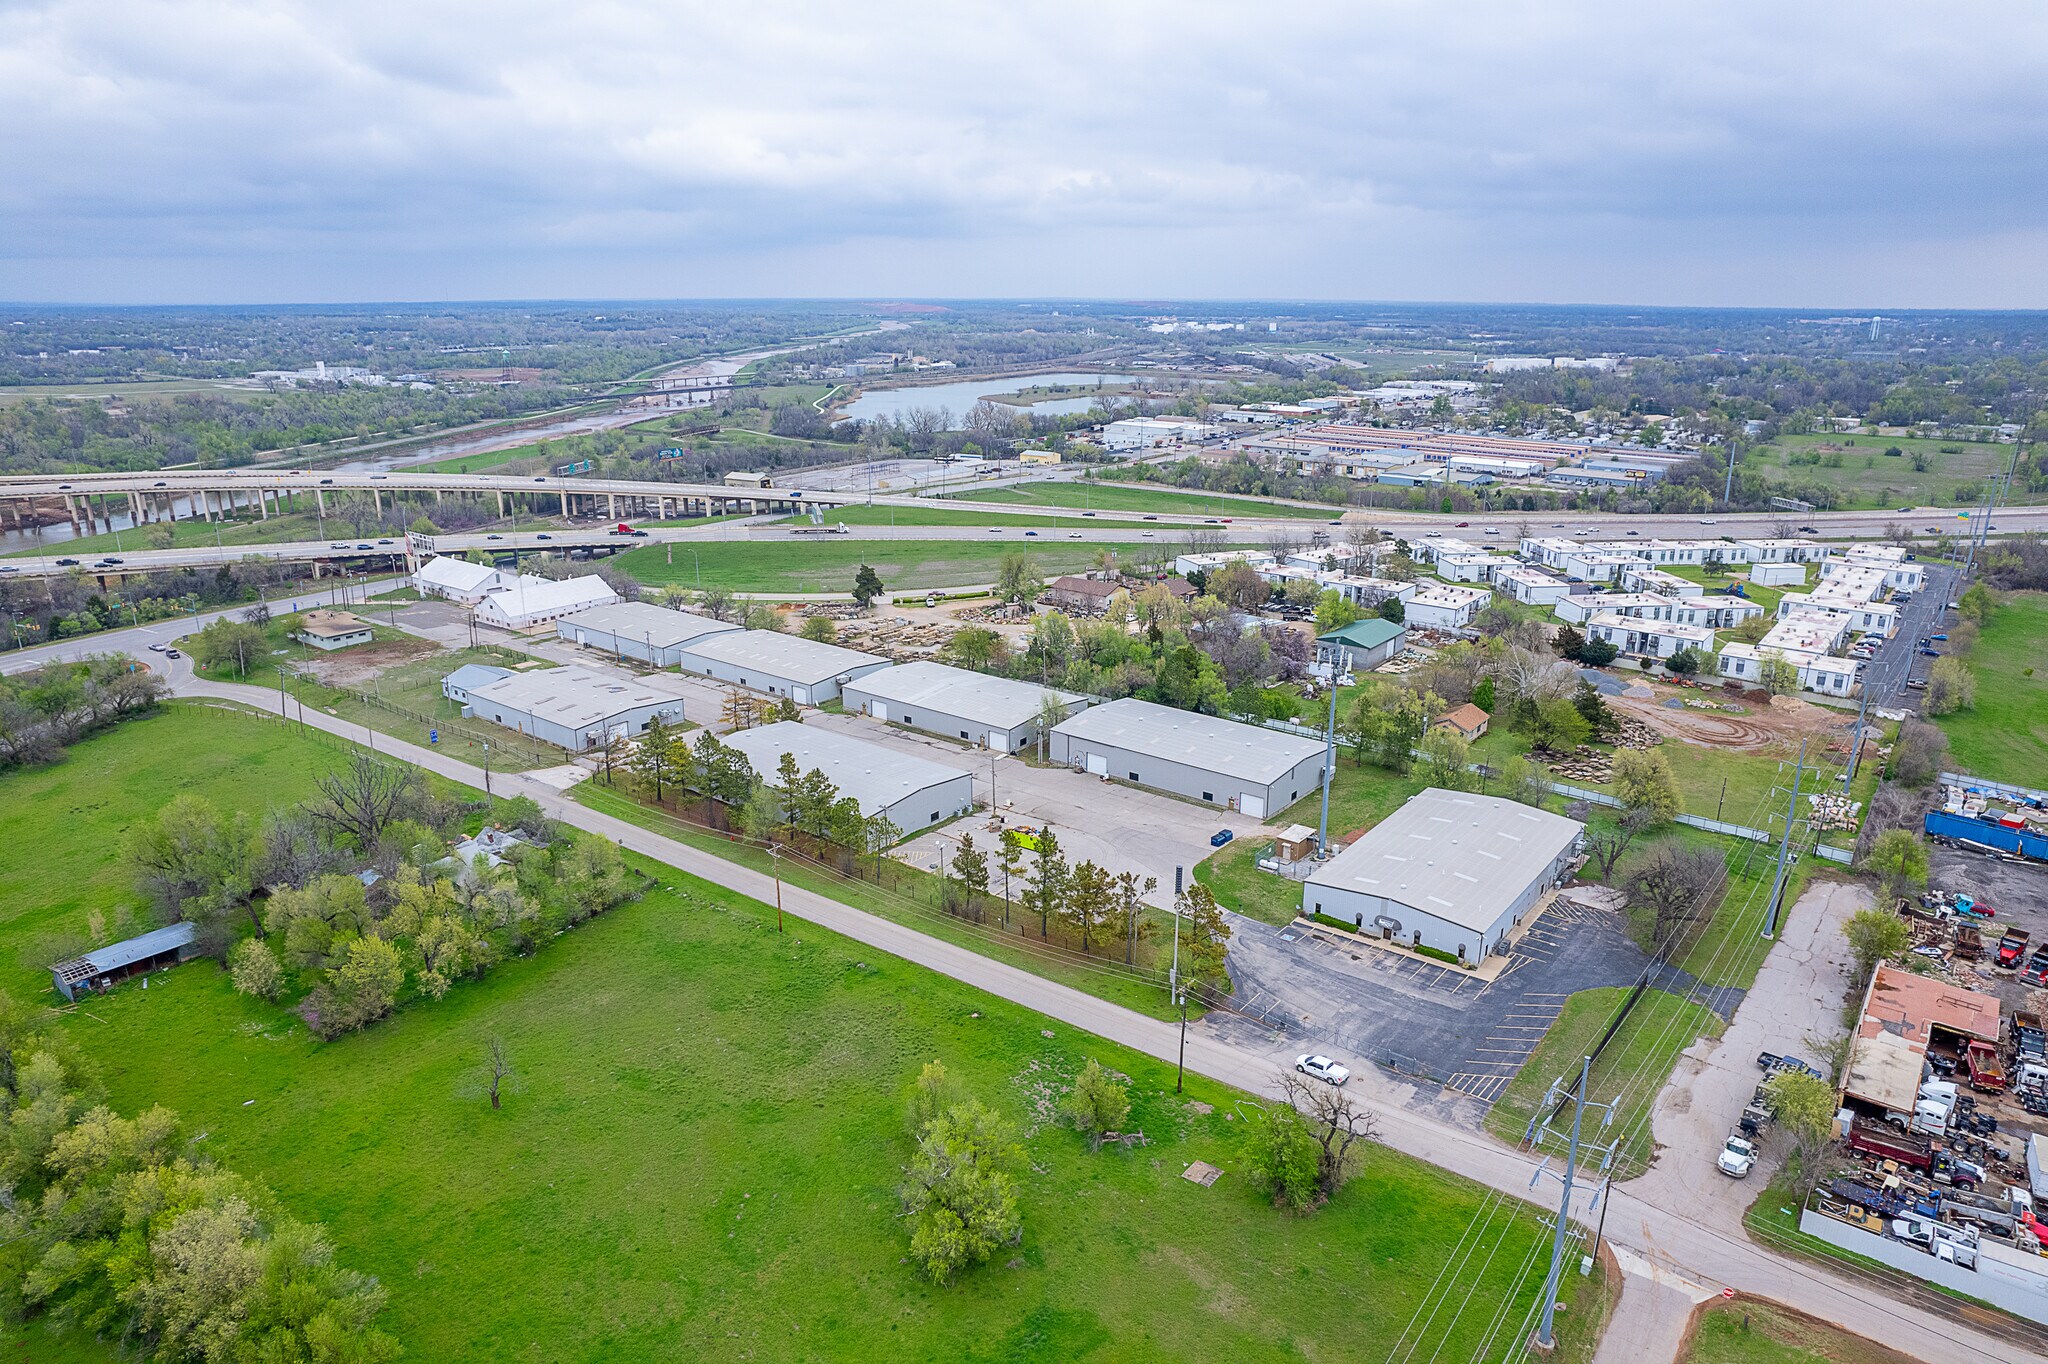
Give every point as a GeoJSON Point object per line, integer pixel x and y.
{"type": "Point", "coordinates": [958, 398]}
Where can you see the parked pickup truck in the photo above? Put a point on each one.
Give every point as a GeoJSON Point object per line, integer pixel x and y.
{"type": "Point", "coordinates": [1987, 1076]}
{"type": "Point", "coordinates": [2012, 948]}
{"type": "Point", "coordinates": [1887, 1143]}
{"type": "Point", "coordinates": [1955, 1244]}
{"type": "Point", "coordinates": [1771, 1061]}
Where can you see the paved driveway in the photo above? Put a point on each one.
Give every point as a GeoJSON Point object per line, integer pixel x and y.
{"type": "Point", "coordinates": [1119, 827]}
{"type": "Point", "coordinates": [1796, 1002]}
{"type": "Point", "coordinates": [1437, 1023]}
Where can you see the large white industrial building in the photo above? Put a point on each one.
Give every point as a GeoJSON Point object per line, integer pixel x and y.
{"type": "Point", "coordinates": [915, 793]}
{"type": "Point", "coordinates": [806, 671]}
{"type": "Point", "coordinates": [1448, 870]}
{"type": "Point", "coordinates": [637, 629]}
{"type": "Point", "coordinates": [572, 708]}
{"type": "Point", "coordinates": [997, 713]}
{"type": "Point", "coordinates": [1256, 771]}
{"type": "Point", "coordinates": [459, 580]}
{"type": "Point", "coordinates": [531, 601]}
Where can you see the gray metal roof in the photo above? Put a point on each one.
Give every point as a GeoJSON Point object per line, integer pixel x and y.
{"type": "Point", "coordinates": [997, 701]}
{"type": "Point", "coordinates": [114, 956]}
{"type": "Point", "coordinates": [1245, 752]}
{"type": "Point", "coordinates": [875, 776]}
{"type": "Point", "coordinates": [576, 697]}
{"type": "Point", "coordinates": [779, 655]}
{"type": "Point", "coordinates": [1453, 855]}
{"type": "Point", "coordinates": [470, 676]}
{"type": "Point", "coordinates": [645, 622]}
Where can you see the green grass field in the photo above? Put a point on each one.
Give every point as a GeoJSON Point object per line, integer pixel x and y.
{"type": "Point", "coordinates": [947, 516]}
{"type": "Point", "coordinates": [1753, 1332]}
{"type": "Point", "coordinates": [2005, 736]}
{"type": "Point", "coordinates": [700, 1154]}
{"type": "Point", "coordinates": [1869, 479]}
{"type": "Point", "coordinates": [134, 388]}
{"type": "Point", "coordinates": [829, 565]}
{"type": "Point", "coordinates": [195, 533]}
{"type": "Point", "coordinates": [75, 814]}
{"type": "Point", "coordinates": [404, 697]}
{"type": "Point", "coordinates": [1630, 1072]}
{"type": "Point", "coordinates": [1134, 497]}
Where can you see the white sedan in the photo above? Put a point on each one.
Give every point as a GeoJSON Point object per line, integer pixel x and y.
{"type": "Point", "coordinates": [1322, 1068]}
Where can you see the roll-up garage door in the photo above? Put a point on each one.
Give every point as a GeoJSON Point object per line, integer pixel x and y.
{"type": "Point", "coordinates": [1253, 806]}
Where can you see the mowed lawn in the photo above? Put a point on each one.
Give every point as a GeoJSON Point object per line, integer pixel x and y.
{"type": "Point", "coordinates": [700, 1156]}
{"type": "Point", "coordinates": [1629, 1073]}
{"type": "Point", "coordinates": [1140, 497]}
{"type": "Point", "coordinates": [828, 564]}
{"type": "Point", "coordinates": [941, 515]}
{"type": "Point", "coordinates": [2005, 736]}
{"type": "Point", "coordinates": [64, 825]}
{"type": "Point", "coordinates": [1869, 478]}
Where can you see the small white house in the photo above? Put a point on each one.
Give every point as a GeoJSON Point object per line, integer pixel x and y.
{"type": "Point", "coordinates": [1788, 574]}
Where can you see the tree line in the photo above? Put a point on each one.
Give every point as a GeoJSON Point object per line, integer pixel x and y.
{"type": "Point", "coordinates": [120, 1229]}
{"type": "Point", "coordinates": [45, 710]}
{"type": "Point", "coordinates": [349, 903]}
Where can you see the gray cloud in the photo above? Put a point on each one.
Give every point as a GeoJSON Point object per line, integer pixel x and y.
{"type": "Point", "coordinates": [1737, 153]}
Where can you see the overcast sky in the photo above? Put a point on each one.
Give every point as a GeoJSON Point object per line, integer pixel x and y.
{"type": "Point", "coordinates": [1810, 153]}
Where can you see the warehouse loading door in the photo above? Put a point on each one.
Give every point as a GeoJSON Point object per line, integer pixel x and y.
{"type": "Point", "coordinates": [1253, 806]}
{"type": "Point", "coordinates": [1098, 765]}
{"type": "Point", "coordinates": [879, 709]}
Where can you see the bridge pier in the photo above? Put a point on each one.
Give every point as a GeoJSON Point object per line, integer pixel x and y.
{"type": "Point", "coordinates": [501, 504]}
{"type": "Point", "coordinates": [611, 505]}
{"type": "Point", "coordinates": [320, 497]}
{"type": "Point", "coordinates": [565, 502]}
{"type": "Point", "coordinates": [377, 497]}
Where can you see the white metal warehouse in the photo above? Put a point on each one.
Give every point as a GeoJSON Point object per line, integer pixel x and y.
{"type": "Point", "coordinates": [915, 793]}
{"type": "Point", "coordinates": [532, 601]}
{"type": "Point", "coordinates": [1259, 772]}
{"type": "Point", "coordinates": [804, 670]}
{"type": "Point", "coordinates": [573, 708]}
{"type": "Point", "coordinates": [997, 713]}
{"type": "Point", "coordinates": [1448, 870]}
{"type": "Point", "coordinates": [638, 629]}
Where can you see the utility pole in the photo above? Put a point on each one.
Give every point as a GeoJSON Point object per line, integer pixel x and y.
{"type": "Point", "coordinates": [1785, 844]}
{"type": "Point", "coordinates": [1173, 982]}
{"type": "Point", "coordinates": [1329, 758]}
{"type": "Point", "coordinates": [775, 862]}
{"type": "Point", "coordinates": [1728, 493]}
{"type": "Point", "coordinates": [1545, 1341]}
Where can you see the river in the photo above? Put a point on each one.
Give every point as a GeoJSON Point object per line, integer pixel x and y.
{"type": "Point", "coordinates": [957, 399]}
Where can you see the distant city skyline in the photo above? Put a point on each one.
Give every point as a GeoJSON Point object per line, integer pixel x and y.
{"type": "Point", "coordinates": [1815, 156]}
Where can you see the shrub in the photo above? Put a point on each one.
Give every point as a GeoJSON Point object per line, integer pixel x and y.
{"type": "Point", "coordinates": [254, 969]}
{"type": "Point", "coordinates": [1438, 954]}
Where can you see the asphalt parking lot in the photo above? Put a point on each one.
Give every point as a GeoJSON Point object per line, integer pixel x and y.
{"type": "Point", "coordinates": [1437, 1023]}
{"type": "Point", "coordinates": [1123, 828]}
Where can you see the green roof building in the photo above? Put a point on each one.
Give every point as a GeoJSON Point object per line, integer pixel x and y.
{"type": "Point", "coordinates": [1366, 643]}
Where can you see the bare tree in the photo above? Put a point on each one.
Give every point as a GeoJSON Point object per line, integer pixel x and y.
{"type": "Point", "coordinates": [1606, 845]}
{"type": "Point", "coordinates": [364, 797]}
{"type": "Point", "coordinates": [1337, 1124]}
{"type": "Point", "coordinates": [1676, 882]}
{"type": "Point", "coordinates": [497, 1067]}
{"type": "Point", "coordinates": [295, 852]}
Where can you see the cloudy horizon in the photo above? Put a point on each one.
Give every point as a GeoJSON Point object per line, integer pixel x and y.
{"type": "Point", "coordinates": [1826, 155]}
